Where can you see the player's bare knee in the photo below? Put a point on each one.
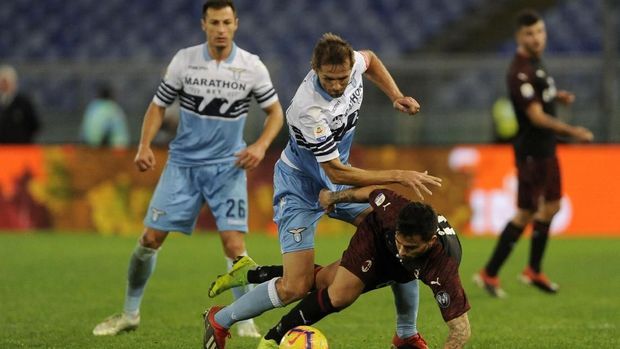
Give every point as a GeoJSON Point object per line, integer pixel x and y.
{"type": "Point", "coordinates": [523, 217]}
{"type": "Point", "coordinates": [152, 239]}
{"type": "Point", "coordinates": [341, 300]}
{"type": "Point", "coordinates": [290, 290]}
{"type": "Point", "coordinates": [232, 248]}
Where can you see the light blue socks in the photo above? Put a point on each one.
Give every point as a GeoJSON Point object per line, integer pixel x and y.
{"type": "Point", "coordinates": [407, 300]}
{"type": "Point", "coordinates": [141, 266]}
{"type": "Point", "coordinates": [257, 301]}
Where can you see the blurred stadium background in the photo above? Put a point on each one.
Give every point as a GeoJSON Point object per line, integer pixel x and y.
{"type": "Point", "coordinates": [450, 55]}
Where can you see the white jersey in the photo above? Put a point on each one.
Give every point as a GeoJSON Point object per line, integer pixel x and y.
{"type": "Point", "coordinates": [214, 98]}
{"type": "Point", "coordinates": [321, 127]}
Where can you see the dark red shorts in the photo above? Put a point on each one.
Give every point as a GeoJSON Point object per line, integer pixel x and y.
{"type": "Point", "coordinates": [368, 258]}
{"type": "Point", "coordinates": [538, 178]}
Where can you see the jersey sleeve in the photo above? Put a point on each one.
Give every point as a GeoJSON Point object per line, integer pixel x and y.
{"type": "Point", "coordinates": [387, 205]}
{"type": "Point", "coordinates": [521, 85]}
{"type": "Point", "coordinates": [263, 89]}
{"type": "Point", "coordinates": [445, 282]}
{"type": "Point", "coordinates": [314, 133]}
{"type": "Point", "coordinates": [172, 83]}
{"type": "Point", "coordinates": [362, 60]}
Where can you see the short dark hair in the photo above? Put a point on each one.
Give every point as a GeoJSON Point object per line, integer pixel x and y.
{"type": "Point", "coordinates": [417, 218]}
{"type": "Point", "coordinates": [331, 49]}
{"type": "Point", "coordinates": [526, 18]}
{"type": "Point", "coordinates": [217, 4]}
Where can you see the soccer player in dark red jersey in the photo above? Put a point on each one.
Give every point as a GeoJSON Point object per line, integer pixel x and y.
{"type": "Point", "coordinates": [533, 95]}
{"type": "Point", "coordinates": [397, 242]}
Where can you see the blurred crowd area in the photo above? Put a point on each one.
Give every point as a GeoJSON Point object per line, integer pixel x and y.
{"type": "Point", "coordinates": [451, 55]}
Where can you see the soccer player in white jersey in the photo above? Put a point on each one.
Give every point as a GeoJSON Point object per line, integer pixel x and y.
{"type": "Point", "coordinates": [208, 158]}
{"type": "Point", "coordinates": [322, 119]}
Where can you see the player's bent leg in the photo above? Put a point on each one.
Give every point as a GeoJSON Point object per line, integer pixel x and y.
{"type": "Point", "coordinates": [298, 275]}
{"type": "Point", "coordinates": [326, 275]}
{"type": "Point", "coordinates": [345, 289]}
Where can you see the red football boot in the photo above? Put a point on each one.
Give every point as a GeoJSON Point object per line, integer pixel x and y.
{"type": "Point", "coordinates": [413, 342]}
{"type": "Point", "coordinates": [215, 335]}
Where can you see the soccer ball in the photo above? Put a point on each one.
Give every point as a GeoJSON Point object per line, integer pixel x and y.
{"type": "Point", "coordinates": [304, 337]}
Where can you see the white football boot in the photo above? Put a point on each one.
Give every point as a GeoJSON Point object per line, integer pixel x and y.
{"type": "Point", "coordinates": [117, 323]}
{"type": "Point", "coordinates": [247, 328]}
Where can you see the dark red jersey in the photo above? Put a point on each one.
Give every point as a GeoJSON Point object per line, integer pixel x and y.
{"type": "Point", "coordinates": [372, 256]}
{"type": "Point", "coordinates": [529, 82]}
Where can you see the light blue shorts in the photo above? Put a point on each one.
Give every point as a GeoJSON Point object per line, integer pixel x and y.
{"type": "Point", "coordinates": [182, 191]}
{"type": "Point", "coordinates": [297, 211]}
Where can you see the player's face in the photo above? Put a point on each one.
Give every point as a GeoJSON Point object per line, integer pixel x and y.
{"type": "Point", "coordinates": [412, 246]}
{"type": "Point", "coordinates": [334, 78]}
{"type": "Point", "coordinates": [533, 38]}
{"type": "Point", "coordinates": [220, 26]}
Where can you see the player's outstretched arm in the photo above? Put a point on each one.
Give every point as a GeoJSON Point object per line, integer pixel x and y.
{"type": "Point", "coordinates": [539, 118]}
{"type": "Point", "coordinates": [380, 76]}
{"type": "Point", "coordinates": [327, 198]}
{"type": "Point", "coordinates": [339, 173]}
{"type": "Point", "coordinates": [153, 119]}
{"type": "Point", "coordinates": [459, 332]}
{"type": "Point", "coordinates": [250, 157]}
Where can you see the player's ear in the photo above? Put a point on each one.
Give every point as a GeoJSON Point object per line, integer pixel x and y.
{"type": "Point", "coordinates": [433, 240]}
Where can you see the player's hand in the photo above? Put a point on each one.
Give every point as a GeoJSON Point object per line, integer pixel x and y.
{"type": "Point", "coordinates": [250, 157]}
{"type": "Point", "coordinates": [145, 159]}
{"type": "Point", "coordinates": [406, 105]}
{"type": "Point", "coordinates": [325, 200]}
{"type": "Point", "coordinates": [565, 97]}
{"type": "Point", "coordinates": [582, 134]}
{"type": "Point", "coordinates": [419, 180]}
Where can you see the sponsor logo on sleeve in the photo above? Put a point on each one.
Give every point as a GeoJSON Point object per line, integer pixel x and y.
{"type": "Point", "coordinates": [527, 90]}
{"type": "Point", "coordinates": [443, 299]}
{"type": "Point", "coordinates": [379, 199]}
{"type": "Point", "coordinates": [366, 266]}
{"type": "Point", "coordinates": [320, 133]}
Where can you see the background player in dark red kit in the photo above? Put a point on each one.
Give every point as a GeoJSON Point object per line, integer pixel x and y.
{"type": "Point", "coordinates": [533, 95]}
{"type": "Point", "coordinates": [398, 241]}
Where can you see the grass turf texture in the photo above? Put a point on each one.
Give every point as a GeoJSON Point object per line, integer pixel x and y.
{"type": "Point", "coordinates": [54, 288]}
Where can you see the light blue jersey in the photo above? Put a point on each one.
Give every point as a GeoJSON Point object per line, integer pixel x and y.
{"type": "Point", "coordinates": [214, 99]}
{"type": "Point", "coordinates": [321, 128]}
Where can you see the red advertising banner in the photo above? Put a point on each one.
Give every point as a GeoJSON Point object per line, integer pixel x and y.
{"type": "Point", "coordinates": [591, 191]}
{"type": "Point", "coordinates": [74, 188]}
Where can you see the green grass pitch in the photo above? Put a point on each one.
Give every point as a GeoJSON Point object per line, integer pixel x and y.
{"type": "Point", "coordinates": [55, 287]}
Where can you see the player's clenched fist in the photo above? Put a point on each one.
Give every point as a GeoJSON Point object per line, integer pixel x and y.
{"type": "Point", "coordinates": [406, 105]}
{"type": "Point", "coordinates": [145, 159]}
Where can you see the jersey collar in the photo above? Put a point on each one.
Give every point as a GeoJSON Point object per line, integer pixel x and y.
{"type": "Point", "coordinates": [229, 59]}
{"type": "Point", "coordinates": [318, 88]}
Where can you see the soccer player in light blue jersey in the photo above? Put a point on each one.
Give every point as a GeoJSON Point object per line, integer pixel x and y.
{"type": "Point", "coordinates": [208, 158]}
{"type": "Point", "coordinates": [322, 118]}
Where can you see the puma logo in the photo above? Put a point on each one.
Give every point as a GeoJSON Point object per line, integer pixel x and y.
{"type": "Point", "coordinates": [436, 282]}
